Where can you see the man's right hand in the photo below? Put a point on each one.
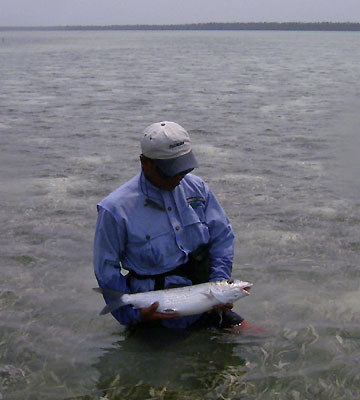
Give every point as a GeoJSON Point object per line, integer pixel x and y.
{"type": "Point", "coordinates": [150, 313]}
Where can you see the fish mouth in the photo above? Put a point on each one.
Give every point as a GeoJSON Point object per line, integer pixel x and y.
{"type": "Point", "coordinates": [247, 289]}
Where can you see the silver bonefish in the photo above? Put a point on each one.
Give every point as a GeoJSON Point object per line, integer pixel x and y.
{"type": "Point", "coordinates": [187, 300]}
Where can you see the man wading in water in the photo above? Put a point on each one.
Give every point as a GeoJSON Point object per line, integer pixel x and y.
{"type": "Point", "coordinates": [167, 229]}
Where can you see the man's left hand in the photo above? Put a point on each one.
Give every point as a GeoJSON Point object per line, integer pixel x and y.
{"type": "Point", "coordinates": [221, 307]}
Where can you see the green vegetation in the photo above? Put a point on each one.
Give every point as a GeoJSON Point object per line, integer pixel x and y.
{"type": "Point", "coordinates": [211, 26]}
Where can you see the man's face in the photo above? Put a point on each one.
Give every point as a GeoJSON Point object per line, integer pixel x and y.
{"type": "Point", "coordinates": [157, 177]}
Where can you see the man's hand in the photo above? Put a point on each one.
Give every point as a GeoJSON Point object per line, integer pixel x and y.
{"type": "Point", "coordinates": [221, 307]}
{"type": "Point", "coordinates": [247, 329]}
{"type": "Point", "coordinates": [150, 313]}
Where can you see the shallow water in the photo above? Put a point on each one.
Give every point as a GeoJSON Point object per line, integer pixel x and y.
{"type": "Point", "coordinates": [275, 125]}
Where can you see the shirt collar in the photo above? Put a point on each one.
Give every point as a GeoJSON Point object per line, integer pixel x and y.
{"type": "Point", "coordinates": [149, 190]}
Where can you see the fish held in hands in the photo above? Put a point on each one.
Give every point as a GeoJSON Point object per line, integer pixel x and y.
{"type": "Point", "coordinates": [187, 300]}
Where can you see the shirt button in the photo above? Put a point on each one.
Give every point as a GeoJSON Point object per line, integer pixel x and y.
{"type": "Point", "coordinates": [177, 228]}
{"type": "Point", "coordinates": [169, 208]}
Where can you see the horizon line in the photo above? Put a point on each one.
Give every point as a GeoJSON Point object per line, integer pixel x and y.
{"type": "Point", "coordinates": [188, 26]}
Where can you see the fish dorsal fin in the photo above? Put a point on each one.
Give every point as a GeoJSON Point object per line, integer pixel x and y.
{"type": "Point", "coordinates": [219, 295]}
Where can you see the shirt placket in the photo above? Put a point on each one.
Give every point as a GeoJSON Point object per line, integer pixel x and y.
{"type": "Point", "coordinates": [174, 219]}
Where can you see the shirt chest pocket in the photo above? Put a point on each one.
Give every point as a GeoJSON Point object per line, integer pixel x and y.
{"type": "Point", "coordinates": [150, 247]}
{"type": "Point", "coordinates": [195, 211]}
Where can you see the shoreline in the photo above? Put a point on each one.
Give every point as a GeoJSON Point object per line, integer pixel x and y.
{"type": "Point", "coordinates": [212, 26]}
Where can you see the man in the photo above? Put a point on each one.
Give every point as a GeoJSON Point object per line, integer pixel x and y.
{"type": "Point", "coordinates": [153, 225]}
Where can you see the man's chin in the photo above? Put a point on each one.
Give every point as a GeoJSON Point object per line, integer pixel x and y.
{"type": "Point", "coordinates": [170, 187]}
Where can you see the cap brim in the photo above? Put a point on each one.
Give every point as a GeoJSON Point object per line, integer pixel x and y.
{"type": "Point", "coordinates": [174, 166]}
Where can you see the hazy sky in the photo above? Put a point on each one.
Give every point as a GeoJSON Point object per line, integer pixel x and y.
{"type": "Point", "coordinates": [106, 12]}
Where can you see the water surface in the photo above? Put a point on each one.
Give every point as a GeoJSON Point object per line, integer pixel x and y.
{"type": "Point", "coordinates": [274, 121]}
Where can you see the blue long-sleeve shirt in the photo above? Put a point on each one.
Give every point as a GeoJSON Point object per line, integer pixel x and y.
{"type": "Point", "coordinates": [151, 231]}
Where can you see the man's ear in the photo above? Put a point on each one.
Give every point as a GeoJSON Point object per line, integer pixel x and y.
{"type": "Point", "coordinates": [144, 160]}
{"type": "Point", "coordinates": [146, 163]}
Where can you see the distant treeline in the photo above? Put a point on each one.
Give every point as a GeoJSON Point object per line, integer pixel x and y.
{"type": "Point", "coordinates": [211, 26]}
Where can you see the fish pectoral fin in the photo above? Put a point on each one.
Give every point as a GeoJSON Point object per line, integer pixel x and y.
{"type": "Point", "coordinates": [208, 295]}
{"type": "Point", "coordinates": [169, 311]}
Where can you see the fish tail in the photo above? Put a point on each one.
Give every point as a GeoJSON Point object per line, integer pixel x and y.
{"type": "Point", "coordinates": [113, 299]}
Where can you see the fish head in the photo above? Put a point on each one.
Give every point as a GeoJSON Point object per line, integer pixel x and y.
{"type": "Point", "coordinates": [231, 290]}
{"type": "Point", "coordinates": [238, 289]}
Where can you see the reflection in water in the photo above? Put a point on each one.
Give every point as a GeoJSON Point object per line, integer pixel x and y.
{"type": "Point", "coordinates": [172, 360]}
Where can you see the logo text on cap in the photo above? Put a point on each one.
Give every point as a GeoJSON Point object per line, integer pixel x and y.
{"type": "Point", "coordinates": [171, 146]}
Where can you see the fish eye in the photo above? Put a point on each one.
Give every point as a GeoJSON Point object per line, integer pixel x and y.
{"type": "Point", "coordinates": [230, 281]}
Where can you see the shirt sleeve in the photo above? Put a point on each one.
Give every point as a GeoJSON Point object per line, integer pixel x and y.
{"type": "Point", "coordinates": [221, 239]}
{"type": "Point", "coordinates": [109, 244]}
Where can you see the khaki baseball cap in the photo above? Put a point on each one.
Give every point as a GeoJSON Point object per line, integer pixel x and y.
{"type": "Point", "coordinates": [169, 145]}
